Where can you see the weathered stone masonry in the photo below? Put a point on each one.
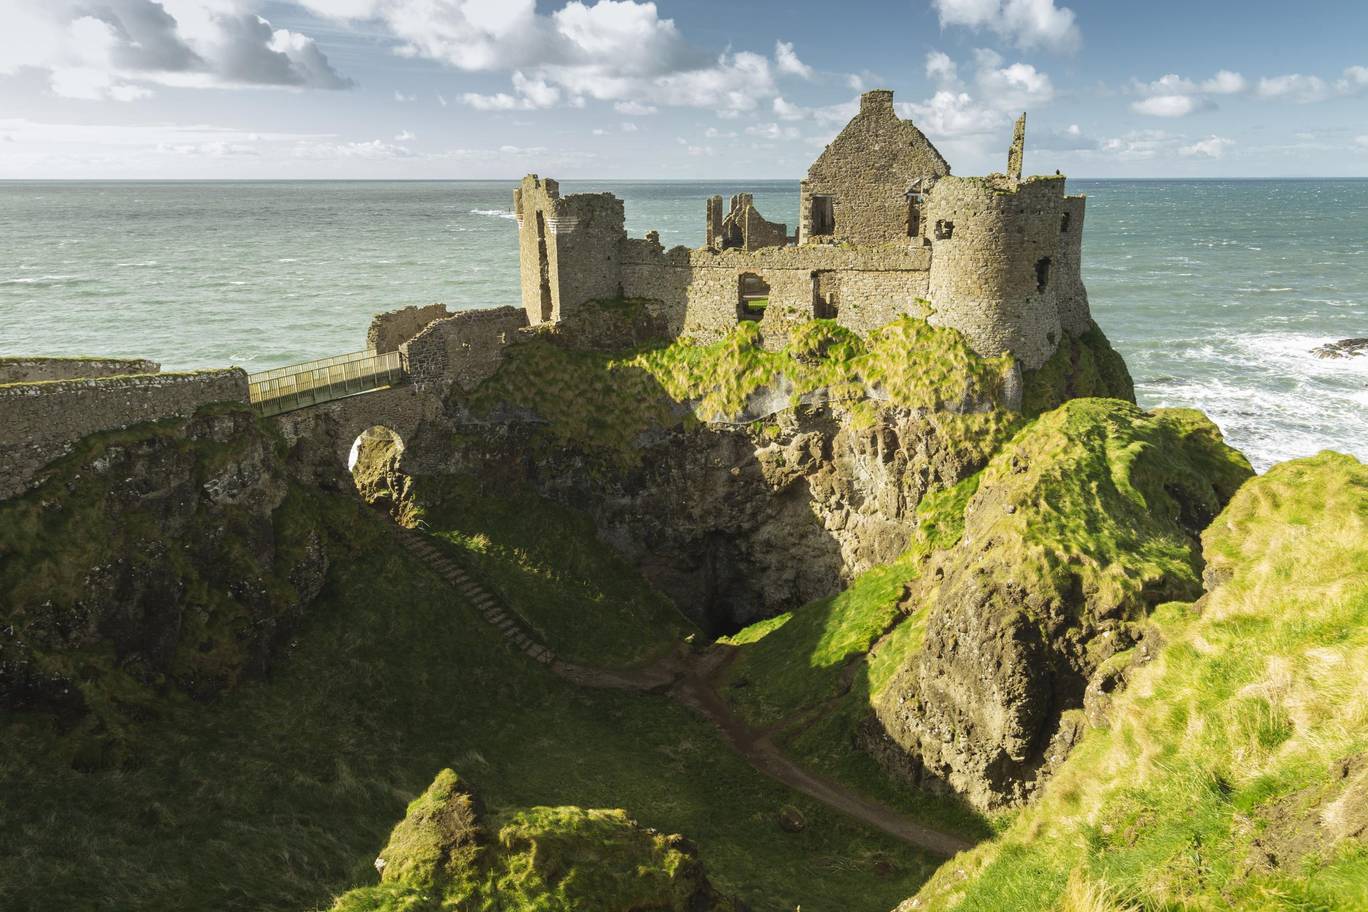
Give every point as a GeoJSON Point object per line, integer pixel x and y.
{"type": "Point", "coordinates": [41, 421]}
{"type": "Point", "coordinates": [883, 227]}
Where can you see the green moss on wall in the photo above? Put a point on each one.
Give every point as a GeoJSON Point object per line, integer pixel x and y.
{"type": "Point", "coordinates": [1083, 366]}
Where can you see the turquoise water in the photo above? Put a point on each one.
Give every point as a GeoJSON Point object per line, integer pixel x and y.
{"type": "Point", "coordinates": [1215, 291]}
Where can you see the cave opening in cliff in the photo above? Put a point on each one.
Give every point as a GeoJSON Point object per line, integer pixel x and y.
{"type": "Point", "coordinates": [374, 463]}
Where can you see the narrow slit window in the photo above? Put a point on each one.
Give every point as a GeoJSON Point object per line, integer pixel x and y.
{"type": "Point", "coordinates": [1042, 270]}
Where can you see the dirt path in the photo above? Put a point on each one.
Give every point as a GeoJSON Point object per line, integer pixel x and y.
{"type": "Point", "coordinates": [689, 679]}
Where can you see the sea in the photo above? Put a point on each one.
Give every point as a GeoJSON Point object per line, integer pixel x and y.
{"type": "Point", "coordinates": [1215, 291]}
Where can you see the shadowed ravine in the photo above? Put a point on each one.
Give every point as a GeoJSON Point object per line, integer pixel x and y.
{"type": "Point", "coordinates": [688, 678]}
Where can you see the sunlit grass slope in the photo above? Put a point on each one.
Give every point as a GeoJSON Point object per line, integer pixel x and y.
{"type": "Point", "coordinates": [1234, 771]}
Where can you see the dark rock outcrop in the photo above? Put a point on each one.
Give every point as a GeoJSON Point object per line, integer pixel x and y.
{"type": "Point", "coordinates": [1344, 348]}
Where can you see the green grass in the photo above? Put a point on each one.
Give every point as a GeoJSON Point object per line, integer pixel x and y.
{"type": "Point", "coordinates": [1082, 367]}
{"type": "Point", "coordinates": [279, 794]}
{"type": "Point", "coordinates": [1228, 750]}
{"type": "Point", "coordinates": [547, 563]}
{"type": "Point", "coordinates": [604, 403]}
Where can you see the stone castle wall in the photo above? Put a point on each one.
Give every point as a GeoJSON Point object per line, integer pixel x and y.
{"type": "Point", "coordinates": [36, 370]}
{"type": "Point", "coordinates": [699, 293]}
{"type": "Point", "coordinates": [390, 330]}
{"type": "Point", "coordinates": [999, 260]}
{"type": "Point", "coordinates": [568, 247]}
{"type": "Point", "coordinates": [867, 171]}
{"type": "Point", "coordinates": [464, 348]}
{"type": "Point", "coordinates": [40, 422]}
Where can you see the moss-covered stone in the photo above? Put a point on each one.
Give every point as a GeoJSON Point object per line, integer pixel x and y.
{"type": "Point", "coordinates": [1231, 772]}
{"type": "Point", "coordinates": [441, 856]}
{"type": "Point", "coordinates": [1081, 367]}
{"type": "Point", "coordinates": [1078, 528]}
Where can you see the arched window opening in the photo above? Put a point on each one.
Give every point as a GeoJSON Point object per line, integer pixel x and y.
{"type": "Point", "coordinates": [752, 296]}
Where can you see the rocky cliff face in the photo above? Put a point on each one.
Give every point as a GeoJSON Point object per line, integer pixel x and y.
{"type": "Point", "coordinates": [1079, 528]}
{"type": "Point", "coordinates": [742, 482]}
{"type": "Point", "coordinates": [172, 553]}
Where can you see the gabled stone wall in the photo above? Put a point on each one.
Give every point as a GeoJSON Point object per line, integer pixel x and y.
{"type": "Point", "coordinates": [463, 349]}
{"type": "Point", "coordinates": [867, 171]}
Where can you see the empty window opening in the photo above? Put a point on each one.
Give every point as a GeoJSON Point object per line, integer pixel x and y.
{"type": "Point", "coordinates": [544, 264]}
{"type": "Point", "coordinates": [1064, 224]}
{"type": "Point", "coordinates": [753, 296]}
{"type": "Point", "coordinates": [913, 218]}
{"type": "Point", "coordinates": [823, 216]}
{"type": "Point", "coordinates": [945, 230]}
{"type": "Point", "coordinates": [1042, 273]}
{"type": "Point", "coordinates": [824, 304]}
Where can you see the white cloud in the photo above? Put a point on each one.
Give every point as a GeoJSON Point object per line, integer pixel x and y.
{"type": "Point", "coordinates": [1026, 23]}
{"type": "Point", "coordinates": [714, 133]}
{"type": "Point", "coordinates": [610, 50]}
{"type": "Point", "coordinates": [114, 49]}
{"type": "Point", "coordinates": [1171, 105]}
{"type": "Point", "coordinates": [786, 61]}
{"type": "Point", "coordinates": [941, 69]}
{"type": "Point", "coordinates": [954, 112]}
{"type": "Point", "coordinates": [772, 131]}
{"type": "Point", "coordinates": [1294, 87]}
{"type": "Point", "coordinates": [1361, 142]}
{"type": "Point", "coordinates": [1225, 82]}
{"type": "Point", "coordinates": [950, 113]}
{"type": "Point", "coordinates": [1355, 80]}
{"type": "Point", "coordinates": [629, 127]}
{"type": "Point", "coordinates": [1211, 147]}
{"type": "Point", "coordinates": [599, 131]}
{"type": "Point", "coordinates": [375, 150]}
{"type": "Point", "coordinates": [441, 100]}
{"type": "Point", "coordinates": [500, 101]}
{"type": "Point", "coordinates": [404, 136]}
{"type": "Point", "coordinates": [635, 108]}
{"type": "Point", "coordinates": [786, 110]}
{"type": "Point", "coordinates": [1140, 145]}
{"type": "Point", "coordinates": [538, 92]}
{"type": "Point", "coordinates": [402, 98]}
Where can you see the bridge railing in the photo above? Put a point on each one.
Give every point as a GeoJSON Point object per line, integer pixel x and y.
{"type": "Point", "coordinates": [283, 389]}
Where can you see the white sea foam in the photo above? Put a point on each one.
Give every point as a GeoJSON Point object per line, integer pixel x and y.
{"type": "Point", "coordinates": [496, 213]}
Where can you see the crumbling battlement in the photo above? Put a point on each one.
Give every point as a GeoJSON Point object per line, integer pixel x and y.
{"type": "Point", "coordinates": [464, 348]}
{"type": "Point", "coordinates": [42, 421]}
{"type": "Point", "coordinates": [36, 370]}
{"type": "Point", "coordinates": [742, 226]}
{"type": "Point", "coordinates": [883, 226]}
{"type": "Point", "coordinates": [388, 331]}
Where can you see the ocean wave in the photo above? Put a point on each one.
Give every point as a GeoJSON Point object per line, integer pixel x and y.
{"type": "Point", "coordinates": [496, 213]}
{"type": "Point", "coordinates": [134, 265]}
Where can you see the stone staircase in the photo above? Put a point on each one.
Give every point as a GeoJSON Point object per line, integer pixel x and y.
{"type": "Point", "coordinates": [513, 629]}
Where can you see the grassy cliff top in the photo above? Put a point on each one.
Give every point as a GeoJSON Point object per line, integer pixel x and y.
{"type": "Point", "coordinates": [1234, 769]}
{"type": "Point", "coordinates": [605, 403]}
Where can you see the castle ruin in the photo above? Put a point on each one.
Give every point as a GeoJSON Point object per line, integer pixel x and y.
{"type": "Point", "coordinates": [884, 229]}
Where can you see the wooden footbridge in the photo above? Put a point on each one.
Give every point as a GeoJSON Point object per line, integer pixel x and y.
{"type": "Point", "coordinates": [297, 386]}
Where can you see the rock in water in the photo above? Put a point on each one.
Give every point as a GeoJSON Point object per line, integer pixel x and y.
{"type": "Point", "coordinates": [1344, 348]}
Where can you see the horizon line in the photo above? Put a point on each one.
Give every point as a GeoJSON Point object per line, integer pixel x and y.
{"type": "Point", "coordinates": [620, 180]}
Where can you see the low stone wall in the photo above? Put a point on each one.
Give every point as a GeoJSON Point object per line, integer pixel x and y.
{"type": "Point", "coordinates": [464, 349]}
{"type": "Point", "coordinates": [35, 370]}
{"type": "Point", "coordinates": [390, 330]}
{"type": "Point", "coordinates": [40, 422]}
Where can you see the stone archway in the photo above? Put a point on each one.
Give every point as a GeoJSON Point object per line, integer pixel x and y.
{"type": "Point", "coordinates": [376, 465]}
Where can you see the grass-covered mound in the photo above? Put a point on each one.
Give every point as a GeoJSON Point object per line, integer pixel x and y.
{"type": "Point", "coordinates": [1233, 772]}
{"type": "Point", "coordinates": [606, 403]}
{"type": "Point", "coordinates": [169, 555]}
{"type": "Point", "coordinates": [276, 795]}
{"type": "Point", "coordinates": [1082, 367]}
{"type": "Point", "coordinates": [446, 854]}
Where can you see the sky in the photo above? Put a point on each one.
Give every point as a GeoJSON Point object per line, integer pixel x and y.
{"type": "Point", "coordinates": [620, 89]}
